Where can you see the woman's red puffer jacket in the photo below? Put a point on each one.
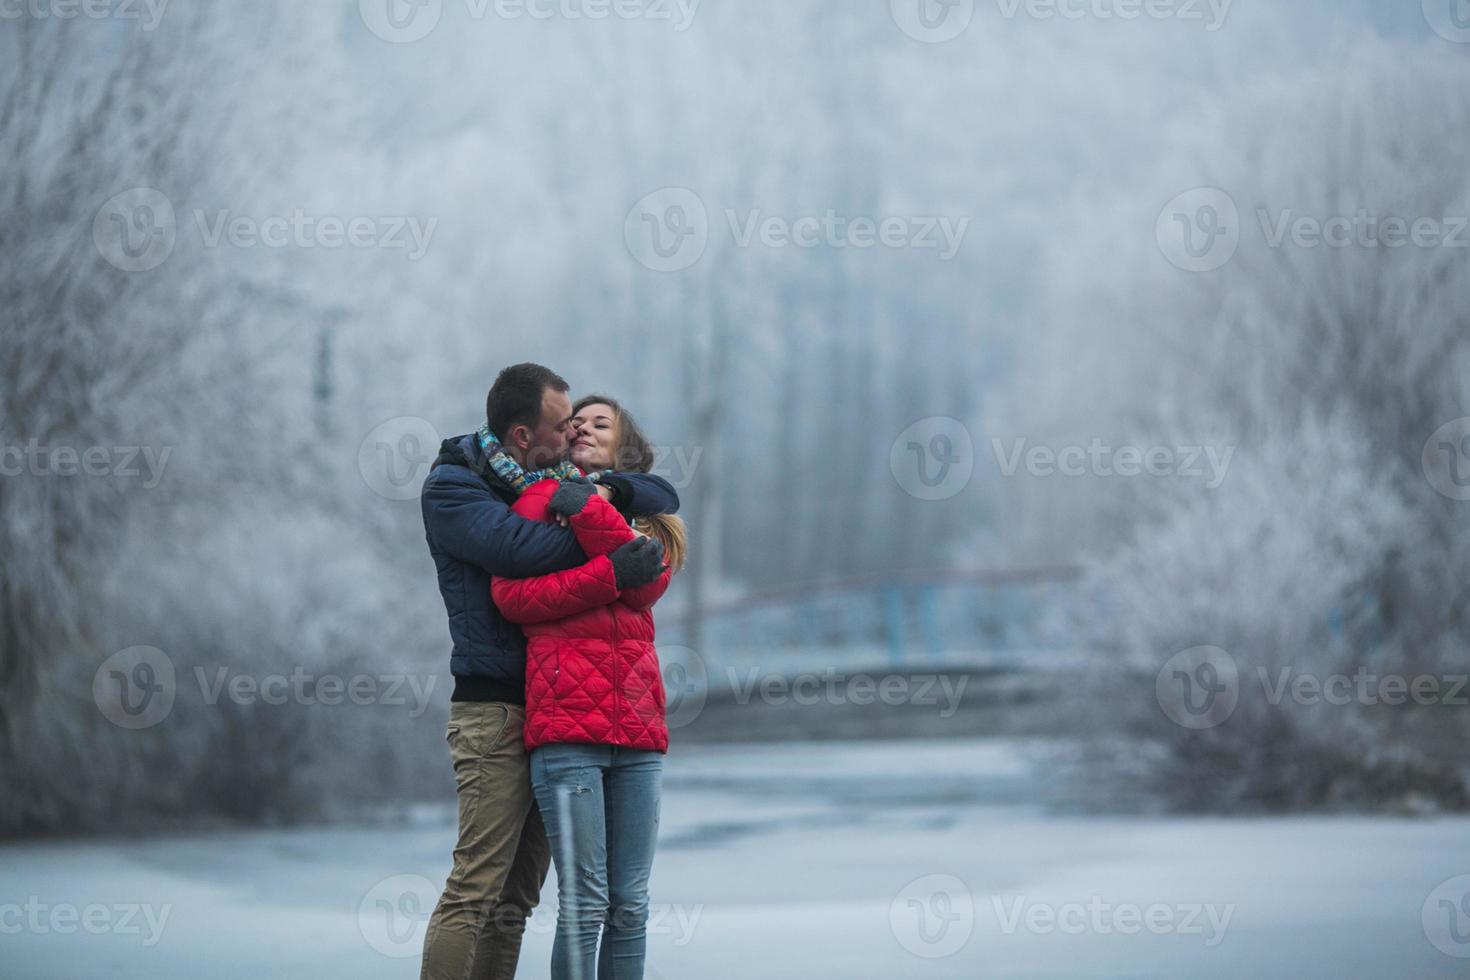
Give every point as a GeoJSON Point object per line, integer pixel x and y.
{"type": "Point", "coordinates": [592, 674]}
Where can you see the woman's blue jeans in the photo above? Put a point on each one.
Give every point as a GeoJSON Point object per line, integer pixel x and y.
{"type": "Point", "coordinates": [600, 806]}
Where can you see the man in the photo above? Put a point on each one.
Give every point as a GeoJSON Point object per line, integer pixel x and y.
{"type": "Point", "coordinates": [501, 858]}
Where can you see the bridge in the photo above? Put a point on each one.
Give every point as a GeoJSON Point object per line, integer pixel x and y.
{"type": "Point", "coordinates": [927, 618]}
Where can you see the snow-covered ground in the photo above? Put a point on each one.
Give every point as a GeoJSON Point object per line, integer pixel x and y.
{"type": "Point", "coordinates": [829, 860]}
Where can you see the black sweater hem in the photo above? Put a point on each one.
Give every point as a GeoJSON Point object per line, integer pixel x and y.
{"type": "Point", "coordinates": [488, 689]}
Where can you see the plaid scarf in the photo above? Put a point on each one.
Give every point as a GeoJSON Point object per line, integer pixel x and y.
{"type": "Point", "coordinates": [517, 475]}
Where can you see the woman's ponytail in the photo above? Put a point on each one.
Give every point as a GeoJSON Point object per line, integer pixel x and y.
{"type": "Point", "coordinates": [669, 531]}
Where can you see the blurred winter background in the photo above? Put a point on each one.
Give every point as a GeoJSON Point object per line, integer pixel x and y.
{"type": "Point", "coordinates": [1066, 396]}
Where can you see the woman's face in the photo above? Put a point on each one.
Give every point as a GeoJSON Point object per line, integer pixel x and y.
{"type": "Point", "coordinates": [594, 446]}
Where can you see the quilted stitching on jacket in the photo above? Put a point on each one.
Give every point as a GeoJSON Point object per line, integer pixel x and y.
{"type": "Point", "coordinates": [592, 672]}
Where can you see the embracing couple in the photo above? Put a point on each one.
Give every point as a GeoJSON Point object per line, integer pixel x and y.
{"type": "Point", "coordinates": [552, 543]}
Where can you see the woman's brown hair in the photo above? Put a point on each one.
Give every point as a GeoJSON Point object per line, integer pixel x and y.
{"type": "Point", "coordinates": [633, 453]}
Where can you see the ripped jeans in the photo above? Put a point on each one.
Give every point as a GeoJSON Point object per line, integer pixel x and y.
{"type": "Point", "coordinates": [600, 806]}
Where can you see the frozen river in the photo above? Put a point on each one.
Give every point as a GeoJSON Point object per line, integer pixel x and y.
{"type": "Point", "coordinates": [844, 860]}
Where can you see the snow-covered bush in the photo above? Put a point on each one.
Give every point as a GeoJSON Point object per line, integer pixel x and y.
{"type": "Point", "coordinates": [1280, 576]}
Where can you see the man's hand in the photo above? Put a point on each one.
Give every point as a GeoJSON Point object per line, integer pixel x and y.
{"type": "Point", "coordinates": [638, 562]}
{"type": "Point", "coordinates": [603, 491]}
{"type": "Point", "coordinates": [571, 497]}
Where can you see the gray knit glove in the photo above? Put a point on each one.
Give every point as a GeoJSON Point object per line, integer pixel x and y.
{"type": "Point", "coordinates": [571, 497]}
{"type": "Point", "coordinates": [638, 562]}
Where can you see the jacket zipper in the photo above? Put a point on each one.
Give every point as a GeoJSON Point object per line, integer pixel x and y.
{"type": "Point", "coordinates": [617, 681]}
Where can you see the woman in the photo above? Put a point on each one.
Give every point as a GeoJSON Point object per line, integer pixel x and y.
{"type": "Point", "coordinates": [595, 698]}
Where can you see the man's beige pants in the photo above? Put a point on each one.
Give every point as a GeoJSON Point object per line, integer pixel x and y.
{"type": "Point", "coordinates": [502, 857]}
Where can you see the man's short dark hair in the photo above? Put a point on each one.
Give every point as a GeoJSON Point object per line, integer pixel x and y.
{"type": "Point", "coordinates": [515, 398]}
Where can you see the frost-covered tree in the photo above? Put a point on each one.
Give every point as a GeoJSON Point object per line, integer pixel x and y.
{"type": "Point", "coordinates": [1327, 369]}
{"type": "Point", "coordinates": [164, 482]}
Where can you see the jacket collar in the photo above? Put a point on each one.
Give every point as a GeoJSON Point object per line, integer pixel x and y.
{"type": "Point", "coordinates": [465, 451]}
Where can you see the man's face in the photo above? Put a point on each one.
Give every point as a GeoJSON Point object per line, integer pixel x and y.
{"type": "Point", "coordinates": [553, 434]}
